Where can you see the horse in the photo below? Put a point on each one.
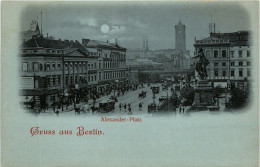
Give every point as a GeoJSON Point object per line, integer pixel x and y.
{"type": "Point", "coordinates": [142, 94]}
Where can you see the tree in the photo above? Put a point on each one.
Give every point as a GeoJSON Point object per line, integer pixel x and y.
{"type": "Point", "coordinates": [188, 93]}
{"type": "Point", "coordinates": [238, 100]}
{"type": "Point", "coordinates": [218, 90]}
{"type": "Point", "coordinates": [174, 100]}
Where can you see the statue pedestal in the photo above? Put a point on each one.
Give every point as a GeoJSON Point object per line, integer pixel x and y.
{"type": "Point", "coordinates": [203, 95]}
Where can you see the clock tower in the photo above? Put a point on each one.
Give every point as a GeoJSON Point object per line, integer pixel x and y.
{"type": "Point", "coordinates": [180, 43]}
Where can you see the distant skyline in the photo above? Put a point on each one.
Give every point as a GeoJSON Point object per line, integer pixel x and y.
{"type": "Point", "coordinates": [129, 21]}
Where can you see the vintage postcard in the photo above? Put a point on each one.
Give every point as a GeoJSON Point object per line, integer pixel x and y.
{"type": "Point", "coordinates": [130, 83]}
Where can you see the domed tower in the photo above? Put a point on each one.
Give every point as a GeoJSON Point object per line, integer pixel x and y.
{"type": "Point", "coordinates": [180, 42]}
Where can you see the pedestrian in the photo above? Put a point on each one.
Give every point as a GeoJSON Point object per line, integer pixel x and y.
{"type": "Point", "coordinates": [125, 107]}
{"type": "Point", "coordinates": [180, 109]}
{"type": "Point", "coordinates": [140, 106]}
{"type": "Point", "coordinates": [129, 105]}
{"type": "Point", "coordinates": [57, 112]}
{"type": "Point", "coordinates": [120, 106]}
{"type": "Point", "coordinates": [183, 109]}
{"type": "Point", "coordinates": [93, 109]}
{"type": "Point", "coordinates": [53, 106]}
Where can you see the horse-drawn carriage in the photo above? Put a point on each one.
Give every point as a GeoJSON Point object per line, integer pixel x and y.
{"type": "Point", "coordinates": [142, 94]}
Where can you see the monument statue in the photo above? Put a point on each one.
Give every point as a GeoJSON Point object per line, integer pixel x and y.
{"type": "Point", "coordinates": [201, 65]}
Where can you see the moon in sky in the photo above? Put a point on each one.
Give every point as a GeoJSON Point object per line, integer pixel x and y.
{"type": "Point", "coordinates": [104, 28]}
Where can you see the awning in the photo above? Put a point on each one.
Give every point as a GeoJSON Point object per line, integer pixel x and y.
{"type": "Point", "coordinates": [26, 99]}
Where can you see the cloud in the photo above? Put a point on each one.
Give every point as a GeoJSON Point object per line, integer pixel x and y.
{"type": "Point", "coordinates": [89, 22]}
{"type": "Point", "coordinates": [117, 29]}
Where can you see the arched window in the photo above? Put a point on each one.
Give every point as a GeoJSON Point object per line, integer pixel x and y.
{"type": "Point", "coordinates": [215, 53]}
{"type": "Point", "coordinates": [207, 53]}
{"type": "Point", "coordinates": [224, 53]}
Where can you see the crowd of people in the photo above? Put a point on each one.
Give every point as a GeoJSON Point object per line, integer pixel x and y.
{"type": "Point", "coordinates": [62, 101]}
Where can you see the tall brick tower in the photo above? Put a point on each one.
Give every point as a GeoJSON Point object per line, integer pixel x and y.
{"type": "Point", "coordinates": [180, 42]}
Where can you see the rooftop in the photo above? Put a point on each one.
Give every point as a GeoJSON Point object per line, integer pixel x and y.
{"type": "Point", "coordinates": [54, 44]}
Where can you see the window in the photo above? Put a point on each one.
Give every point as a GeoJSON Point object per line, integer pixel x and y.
{"type": "Point", "coordinates": [240, 73]}
{"type": "Point", "coordinates": [99, 76]}
{"type": "Point", "coordinates": [67, 80]}
{"type": "Point", "coordinates": [232, 54]}
{"type": "Point", "coordinates": [92, 65]}
{"type": "Point", "coordinates": [248, 53]}
{"type": "Point", "coordinates": [208, 53]}
{"type": "Point", "coordinates": [95, 65]}
{"type": "Point", "coordinates": [240, 53]}
{"type": "Point", "coordinates": [232, 73]}
{"type": "Point", "coordinates": [215, 64]}
{"type": "Point", "coordinates": [240, 63]}
{"type": "Point", "coordinates": [224, 64]}
{"type": "Point", "coordinates": [25, 66]}
{"type": "Point", "coordinates": [35, 66]}
{"type": "Point", "coordinates": [53, 81]}
{"type": "Point", "coordinates": [47, 66]}
{"type": "Point", "coordinates": [215, 53]}
{"type": "Point", "coordinates": [41, 67]}
{"type": "Point", "coordinates": [95, 77]}
{"type": "Point", "coordinates": [224, 54]}
{"type": "Point", "coordinates": [53, 66]}
{"type": "Point", "coordinates": [216, 73]}
{"type": "Point", "coordinates": [59, 80]}
{"type": "Point", "coordinates": [88, 78]}
{"type": "Point", "coordinates": [248, 63]}
{"type": "Point", "coordinates": [49, 81]}
{"type": "Point", "coordinates": [223, 73]}
{"type": "Point", "coordinates": [248, 73]}
{"type": "Point", "coordinates": [59, 67]}
{"type": "Point", "coordinates": [232, 63]}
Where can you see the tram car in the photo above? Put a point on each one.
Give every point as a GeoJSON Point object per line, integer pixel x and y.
{"type": "Point", "coordinates": [165, 105]}
{"type": "Point", "coordinates": [151, 108]}
{"type": "Point", "coordinates": [106, 106]}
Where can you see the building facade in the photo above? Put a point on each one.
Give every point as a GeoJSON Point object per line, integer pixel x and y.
{"type": "Point", "coordinates": [229, 58]}
{"type": "Point", "coordinates": [111, 64]}
{"type": "Point", "coordinates": [51, 67]}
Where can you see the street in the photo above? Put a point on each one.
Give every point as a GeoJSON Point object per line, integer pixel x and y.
{"type": "Point", "coordinates": [130, 97]}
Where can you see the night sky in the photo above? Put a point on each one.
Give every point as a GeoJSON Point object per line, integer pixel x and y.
{"type": "Point", "coordinates": [129, 21]}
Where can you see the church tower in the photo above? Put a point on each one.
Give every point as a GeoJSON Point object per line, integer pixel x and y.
{"type": "Point", "coordinates": [180, 42]}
